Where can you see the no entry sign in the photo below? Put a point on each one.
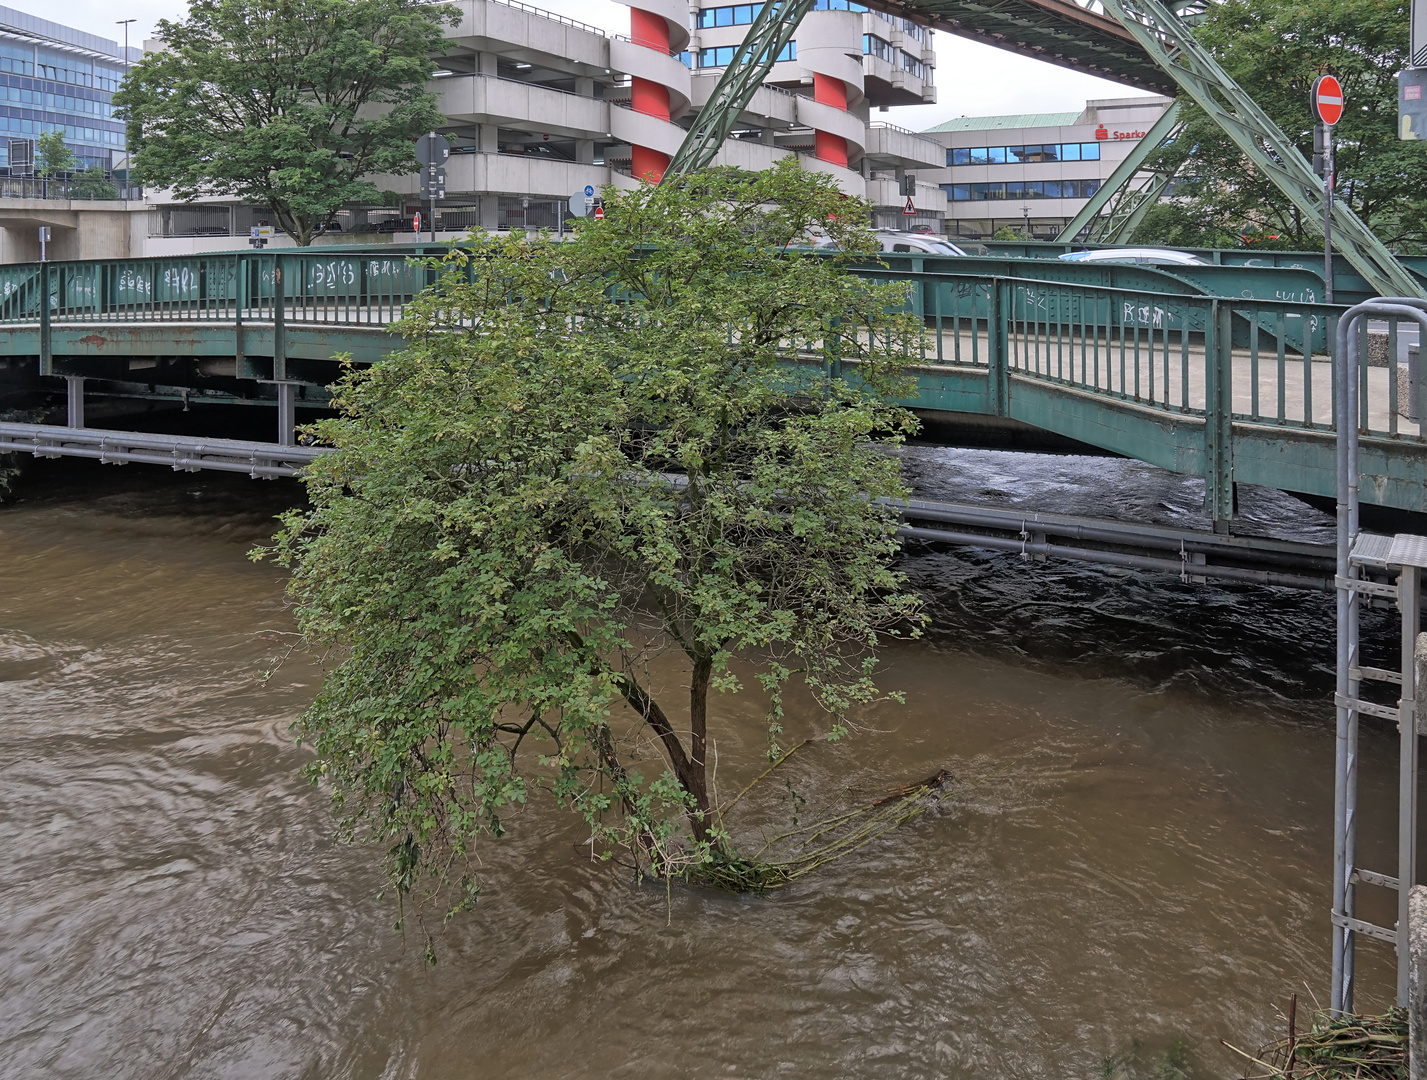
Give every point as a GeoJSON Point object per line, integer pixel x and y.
{"type": "Point", "coordinates": [1327, 100]}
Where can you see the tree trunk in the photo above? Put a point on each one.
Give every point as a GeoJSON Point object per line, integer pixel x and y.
{"type": "Point", "coordinates": [697, 783]}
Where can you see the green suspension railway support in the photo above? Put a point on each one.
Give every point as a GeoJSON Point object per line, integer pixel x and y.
{"type": "Point", "coordinates": [1113, 212]}
{"type": "Point", "coordinates": [752, 61]}
{"type": "Point", "coordinates": [1166, 38]}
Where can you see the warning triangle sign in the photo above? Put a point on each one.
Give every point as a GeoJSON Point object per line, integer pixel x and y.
{"type": "Point", "coordinates": [909, 209]}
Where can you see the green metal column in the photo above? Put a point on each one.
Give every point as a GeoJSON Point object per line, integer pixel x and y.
{"type": "Point", "coordinates": [998, 353]}
{"type": "Point", "coordinates": [46, 338]}
{"type": "Point", "coordinates": [1169, 41]}
{"type": "Point", "coordinates": [1113, 212]}
{"type": "Point", "coordinates": [1219, 416]}
{"type": "Point", "coordinates": [752, 61]}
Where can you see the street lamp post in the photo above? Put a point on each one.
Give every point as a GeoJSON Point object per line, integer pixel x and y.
{"type": "Point", "coordinates": [1026, 213]}
{"type": "Point", "coordinates": [125, 24]}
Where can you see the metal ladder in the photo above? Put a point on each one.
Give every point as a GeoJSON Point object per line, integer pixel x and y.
{"type": "Point", "coordinates": [1405, 556]}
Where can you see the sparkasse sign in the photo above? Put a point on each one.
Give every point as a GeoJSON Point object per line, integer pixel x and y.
{"type": "Point", "coordinates": [1105, 134]}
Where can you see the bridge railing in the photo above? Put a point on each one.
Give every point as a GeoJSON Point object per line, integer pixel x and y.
{"type": "Point", "coordinates": [360, 289]}
{"type": "Point", "coordinates": [1262, 361]}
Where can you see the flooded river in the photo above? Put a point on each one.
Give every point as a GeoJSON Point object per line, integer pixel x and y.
{"type": "Point", "coordinates": [1135, 854]}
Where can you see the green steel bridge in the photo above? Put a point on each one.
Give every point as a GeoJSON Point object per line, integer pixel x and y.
{"type": "Point", "coordinates": [1223, 372]}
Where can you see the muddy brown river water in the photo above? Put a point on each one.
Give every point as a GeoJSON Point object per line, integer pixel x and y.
{"type": "Point", "coordinates": [1136, 851]}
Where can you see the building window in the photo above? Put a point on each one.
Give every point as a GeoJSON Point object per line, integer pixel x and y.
{"type": "Point", "coordinates": [915, 31]}
{"type": "Point", "coordinates": [915, 66]}
{"type": "Point", "coordinates": [872, 45]}
{"type": "Point", "coordinates": [722, 56]}
{"type": "Point", "coordinates": [838, 5]}
{"type": "Point", "coordinates": [1022, 155]}
{"type": "Point", "coordinates": [738, 15]}
{"type": "Point", "coordinates": [1022, 189]}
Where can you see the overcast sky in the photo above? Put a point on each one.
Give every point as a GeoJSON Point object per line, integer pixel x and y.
{"type": "Point", "coordinates": [971, 79]}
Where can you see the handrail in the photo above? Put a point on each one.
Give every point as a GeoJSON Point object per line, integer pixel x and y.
{"type": "Point", "coordinates": [549, 15]}
{"type": "Point", "coordinates": [904, 131]}
{"type": "Point", "coordinates": [519, 82]}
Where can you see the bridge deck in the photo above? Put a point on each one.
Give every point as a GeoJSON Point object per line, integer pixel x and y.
{"type": "Point", "coordinates": [1235, 390]}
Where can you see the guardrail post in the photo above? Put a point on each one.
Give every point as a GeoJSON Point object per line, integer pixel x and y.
{"type": "Point", "coordinates": [74, 401]}
{"type": "Point", "coordinates": [1219, 416]}
{"type": "Point", "coordinates": [46, 340]}
{"type": "Point", "coordinates": [998, 348]}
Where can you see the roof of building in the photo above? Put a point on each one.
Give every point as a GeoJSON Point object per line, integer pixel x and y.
{"type": "Point", "coordinates": [32, 26]}
{"type": "Point", "coordinates": [1002, 123]}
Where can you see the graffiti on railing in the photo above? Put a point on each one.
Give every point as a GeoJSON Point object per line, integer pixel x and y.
{"type": "Point", "coordinates": [1150, 315]}
{"type": "Point", "coordinates": [334, 275]}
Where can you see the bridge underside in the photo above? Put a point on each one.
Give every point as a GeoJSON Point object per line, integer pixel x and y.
{"type": "Point", "coordinates": [966, 404]}
{"type": "Point", "coordinates": [1056, 31]}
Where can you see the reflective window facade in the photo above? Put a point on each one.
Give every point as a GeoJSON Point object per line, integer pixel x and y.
{"type": "Point", "coordinates": [1018, 155]}
{"type": "Point", "coordinates": [48, 85]}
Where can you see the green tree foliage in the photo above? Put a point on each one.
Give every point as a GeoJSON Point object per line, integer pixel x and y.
{"type": "Point", "coordinates": [92, 184]}
{"type": "Point", "coordinates": [1275, 49]}
{"type": "Point", "coordinates": [592, 454]}
{"type": "Point", "coordinates": [53, 157]}
{"type": "Point", "coordinates": [291, 104]}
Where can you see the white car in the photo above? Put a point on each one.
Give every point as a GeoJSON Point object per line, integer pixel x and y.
{"type": "Point", "coordinates": [900, 243]}
{"type": "Point", "coordinates": [1135, 255]}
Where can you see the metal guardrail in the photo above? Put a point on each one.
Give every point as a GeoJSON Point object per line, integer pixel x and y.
{"type": "Point", "coordinates": [183, 454]}
{"type": "Point", "coordinates": [73, 190]}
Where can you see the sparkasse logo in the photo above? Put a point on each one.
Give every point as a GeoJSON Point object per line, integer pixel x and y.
{"type": "Point", "coordinates": [1102, 133]}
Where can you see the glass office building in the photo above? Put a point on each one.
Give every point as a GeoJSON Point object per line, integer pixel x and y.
{"type": "Point", "coordinates": [54, 78]}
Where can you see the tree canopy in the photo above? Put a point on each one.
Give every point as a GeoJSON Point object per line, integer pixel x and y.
{"type": "Point", "coordinates": [1275, 49]}
{"type": "Point", "coordinates": [53, 157]}
{"type": "Point", "coordinates": [290, 104]}
{"type": "Point", "coordinates": [589, 456]}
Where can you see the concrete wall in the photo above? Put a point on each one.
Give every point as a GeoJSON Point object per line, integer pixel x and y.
{"type": "Point", "coordinates": [78, 229]}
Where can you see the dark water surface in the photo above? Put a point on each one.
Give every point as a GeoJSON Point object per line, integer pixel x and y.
{"type": "Point", "coordinates": [1136, 852]}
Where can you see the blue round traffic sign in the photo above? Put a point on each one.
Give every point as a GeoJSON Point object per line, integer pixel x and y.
{"type": "Point", "coordinates": [589, 190]}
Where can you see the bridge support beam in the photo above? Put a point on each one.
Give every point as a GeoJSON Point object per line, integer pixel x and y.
{"type": "Point", "coordinates": [286, 413]}
{"type": "Point", "coordinates": [752, 60]}
{"type": "Point", "coordinates": [74, 400]}
{"type": "Point", "coordinates": [1168, 40]}
{"type": "Point", "coordinates": [1114, 211]}
{"type": "Point", "coordinates": [1219, 418]}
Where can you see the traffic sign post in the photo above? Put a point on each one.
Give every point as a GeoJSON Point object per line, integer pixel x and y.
{"type": "Point", "coordinates": [1326, 100]}
{"type": "Point", "coordinates": [432, 150]}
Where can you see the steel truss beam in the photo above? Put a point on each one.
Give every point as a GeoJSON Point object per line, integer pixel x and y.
{"type": "Point", "coordinates": [752, 61]}
{"type": "Point", "coordinates": [1167, 39]}
{"type": "Point", "coordinates": [1114, 211]}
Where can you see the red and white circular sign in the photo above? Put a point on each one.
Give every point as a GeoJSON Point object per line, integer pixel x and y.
{"type": "Point", "coordinates": [1327, 100]}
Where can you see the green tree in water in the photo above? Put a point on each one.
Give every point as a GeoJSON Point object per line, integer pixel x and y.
{"type": "Point", "coordinates": [1275, 49]}
{"type": "Point", "coordinates": [290, 104]}
{"type": "Point", "coordinates": [590, 454]}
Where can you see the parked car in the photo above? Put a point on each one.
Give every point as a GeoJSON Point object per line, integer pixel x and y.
{"type": "Point", "coordinates": [1145, 255]}
{"type": "Point", "coordinates": [902, 243]}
